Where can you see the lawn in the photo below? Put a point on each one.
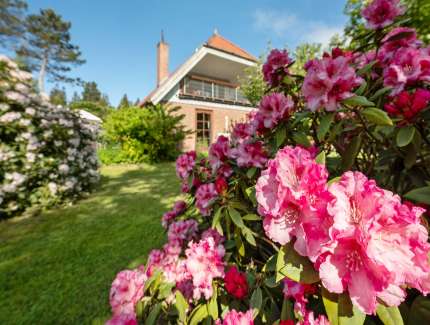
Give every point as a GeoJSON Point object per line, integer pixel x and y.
{"type": "Point", "coordinates": [57, 268]}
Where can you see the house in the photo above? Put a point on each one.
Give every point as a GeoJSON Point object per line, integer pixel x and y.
{"type": "Point", "coordinates": [205, 87]}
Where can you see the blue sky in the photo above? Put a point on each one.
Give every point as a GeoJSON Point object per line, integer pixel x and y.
{"type": "Point", "coordinates": [118, 37]}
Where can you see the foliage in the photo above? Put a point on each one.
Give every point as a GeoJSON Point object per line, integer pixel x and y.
{"type": "Point", "coordinates": [302, 54]}
{"type": "Point", "coordinates": [58, 97]}
{"type": "Point", "coordinates": [11, 22]}
{"type": "Point", "coordinates": [94, 108]}
{"type": "Point", "coordinates": [48, 47]}
{"type": "Point", "coordinates": [124, 102]}
{"type": "Point", "coordinates": [47, 153]}
{"type": "Point", "coordinates": [252, 84]}
{"type": "Point", "coordinates": [150, 134]}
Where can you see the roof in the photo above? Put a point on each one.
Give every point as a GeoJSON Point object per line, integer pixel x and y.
{"type": "Point", "coordinates": [218, 42]}
{"type": "Point", "coordinates": [88, 116]}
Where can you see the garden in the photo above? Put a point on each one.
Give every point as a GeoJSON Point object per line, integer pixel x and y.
{"type": "Point", "coordinates": [313, 211]}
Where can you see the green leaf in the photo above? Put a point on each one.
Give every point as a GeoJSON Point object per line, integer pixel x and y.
{"type": "Point", "coordinates": [153, 315]}
{"type": "Point", "coordinates": [251, 217]}
{"type": "Point", "coordinates": [235, 217]}
{"type": "Point", "coordinates": [410, 157]}
{"type": "Point", "coordinates": [213, 306]}
{"type": "Point", "coordinates": [325, 122]}
{"type": "Point", "coordinates": [330, 301]}
{"type": "Point", "coordinates": [377, 116]}
{"type": "Point", "coordinates": [380, 92]}
{"type": "Point", "coordinates": [333, 180]}
{"type": "Point", "coordinates": [367, 68]}
{"type": "Point", "coordinates": [348, 313]}
{"type": "Point", "coordinates": [247, 233]}
{"type": "Point", "coordinates": [251, 172]}
{"type": "Point", "coordinates": [181, 305]}
{"type": "Point", "coordinates": [351, 153]}
{"type": "Point", "coordinates": [399, 36]}
{"type": "Point", "coordinates": [217, 217]}
{"type": "Point", "coordinates": [240, 246]}
{"type": "Point", "coordinates": [270, 264]}
{"type": "Point", "coordinates": [165, 290]}
{"type": "Point", "coordinates": [320, 159]}
{"type": "Point", "coordinates": [256, 300]}
{"type": "Point", "coordinates": [420, 195]}
{"type": "Point", "coordinates": [198, 314]}
{"type": "Point", "coordinates": [358, 101]}
{"type": "Point", "coordinates": [280, 135]}
{"type": "Point", "coordinates": [405, 136]}
{"type": "Point", "coordinates": [271, 282]}
{"type": "Point", "coordinates": [294, 266]}
{"type": "Point", "coordinates": [389, 315]}
{"type": "Point", "coordinates": [420, 311]}
{"type": "Point", "coordinates": [301, 138]}
{"type": "Point", "coordinates": [360, 90]}
{"type": "Point", "coordinates": [250, 192]}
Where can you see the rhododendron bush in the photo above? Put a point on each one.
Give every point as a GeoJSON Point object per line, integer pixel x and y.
{"type": "Point", "coordinates": [47, 153]}
{"type": "Point", "coordinates": [312, 212]}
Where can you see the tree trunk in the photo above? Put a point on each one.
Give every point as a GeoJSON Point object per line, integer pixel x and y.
{"type": "Point", "coordinates": [42, 73]}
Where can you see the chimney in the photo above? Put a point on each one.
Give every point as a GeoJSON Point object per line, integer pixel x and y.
{"type": "Point", "coordinates": [162, 60]}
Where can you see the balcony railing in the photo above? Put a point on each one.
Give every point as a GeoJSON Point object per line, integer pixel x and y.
{"type": "Point", "coordinates": [212, 91]}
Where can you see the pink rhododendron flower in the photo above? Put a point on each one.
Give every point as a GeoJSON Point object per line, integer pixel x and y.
{"type": "Point", "coordinates": [328, 81]}
{"type": "Point", "coordinates": [377, 244]}
{"type": "Point", "coordinates": [309, 319]}
{"type": "Point", "coordinates": [168, 217]}
{"type": "Point", "coordinates": [276, 67]}
{"type": "Point", "coordinates": [221, 185]}
{"type": "Point", "coordinates": [381, 13]}
{"type": "Point", "coordinates": [273, 109]}
{"type": "Point", "coordinates": [185, 164]}
{"type": "Point", "coordinates": [250, 154]}
{"type": "Point", "coordinates": [122, 319]}
{"type": "Point", "coordinates": [217, 237]}
{"type": "Point", "coordinates": [206, 195]}
{"type": "Point", "coordinates": [218, 152]}
{"type": "Point", "coordinates": [408, 105]}
{"type": "Point", "coordinates": [292, 196]}
{"type": "Point", "coordinates": [126, 291]}
{"type": "Point", "coordinates": [155, 260]}
{"type": "Point", "coordinates": [242, 132]}
{"type": "Point", "coordinates": [234, 317]}
{"type": "Point", "coordinates": [183, 230]}
{"type": "Point", "coordinates": [390, 47]}
{"type": "Point", "coordinates": [296, 290]}
{"type": "Point", "coordinates": [204, 262]}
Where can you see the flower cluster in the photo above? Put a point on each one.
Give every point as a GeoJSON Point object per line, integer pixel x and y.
{"type": "Point", "coordinates": [381, 13]}
{"type": "Point", "coordinates": [169, 216]}
{"type": "Point", "coordinates": [276, 67]}
{"type": "Point", "coordinates": [234, 317]}
{"type": "Point", "coordinates": [47, 153]}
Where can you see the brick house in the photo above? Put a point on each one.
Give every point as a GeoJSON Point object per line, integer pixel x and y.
{"type": "Point", "coordinates": [205, 87]}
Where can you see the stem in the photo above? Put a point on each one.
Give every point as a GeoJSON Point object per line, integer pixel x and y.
{"type": "Point", "coordinates": [42, 72]}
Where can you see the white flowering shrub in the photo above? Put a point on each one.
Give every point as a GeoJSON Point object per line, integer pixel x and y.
{"type": "Point", "coordinates": [47, 153]}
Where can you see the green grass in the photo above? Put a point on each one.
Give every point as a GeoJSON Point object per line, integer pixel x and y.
{"type": "Point", "coordinates": [56, 268]}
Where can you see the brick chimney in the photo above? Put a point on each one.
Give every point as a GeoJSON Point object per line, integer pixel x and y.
{"type": "Point", "coordinates": [162, 60]}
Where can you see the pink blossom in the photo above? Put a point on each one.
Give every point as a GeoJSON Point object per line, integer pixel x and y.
{"type": "Point", "coordinates": [242, 132]}
{"type": "Point", "coordinates": [204, 262]}
{"type": "Point", "coordinates": [381, 13]}
{"type": "Point", "coordinates": [292, 196]}
{"type": "Point", "coordinates": [183, 230]}
{"type": "Point", "coordinates": [206, 195]}
{"type": "Point", "coordinates": [217, 237]}
{"type": "Point", "coordinates": [390, 47]}
{"type": "Point", "coordinates": [276, 67]}
{"type": "Point", "coordinates": [250, 154]}
{"type": "Point", "coordinates": [273, 109]}
{"type": "Point", "coordinates": [234, 317]}
{"type": "Point", "coordinates": [328, 81]}
{"type": "Point", "coordinates": [154, 262]}
{"type": "Point", "coordinates": [218, 152]}
{"type": "Point", "coordinates": [168, 217]}
{"type": "Point", "coordinates": [122, 319]}
{"type": "Point", "coordinates": [185, 164]}
{"type": "Point", "coordinates": [309, 319]}
{"type": "Point", "coordinates": [126, 291]}
{"type": "Point", "coordinates": [296, 290]}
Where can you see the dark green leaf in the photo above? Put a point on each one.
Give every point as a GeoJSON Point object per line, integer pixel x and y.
{"type": "Point", "coordinates": [153, 315]}
{"type": "Point", "coordinates": [377, 116]}
{"type": "Point", "coordinates": [271, 282]}
{"type": "Point", "coordinates": [251, 217]}
{"type": "Point", "coordinates": [330, 301]}
{"type": "Point", "coordinates": [420, 195]}
{"type": "Point", "coordinates": [420, 311]}
{"type": "Point", "coordinates": [367, 68]}
{"type": "Point", "coordinates": [270, 264]}
{"type": "Point", "coordinates": [250, 192]}
{"type": "Point", "coordinates": [380, 92]}
{"type": "Point", "coordinates": [247, 233]}
{"type": "Point", "coordinates": [217, 217]}
{"type": "Point", "coordinates": [251, 172]}
{"type": "Point", "coordinates": [389, 315]}
{"type": "Point", "coordinates": [280, 135]}
{"type": "Point", "coordinates": [348, 313]}
{"type": "Point", "coordinates": [358, 101]}
{"type": "Point", "coordinates": [360, 90]}
{"type": "Point", "coordinates": [302, 139]}
{"type": "Point", "coordinates": [325, 122]}
{"type": "Point", "coordinates": [351, 152]}
{"type": "Point", "coordinates": [235, 217]}
{"type": "Point", "coordinates": [256, 300]}
{"type": "Point", "coordinates": [405, 136]}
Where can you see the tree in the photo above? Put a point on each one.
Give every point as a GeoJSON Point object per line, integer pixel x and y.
{"type": "Point", "coordinates": [49, 48]}
{"type": "Point", "coordinates": [11, 22]}
{"type": "Point", "coordinates": [302, 54]}
{"type": "Point", "coordinates": [58, 97]}
{"type": "Point", "coordinates": [124, 102]}
{"type": "Point", "coordinates": [91, 92]}
{"type": "Point", "coordinates": [75, 98]}
{"type": "Point", "coordinates": [253, 85]}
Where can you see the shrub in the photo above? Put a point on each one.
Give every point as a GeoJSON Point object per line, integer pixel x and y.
{"type": "Point", "coordinates": [149, 134]}
{"type": "Point", "coordinates": [314, 211]}
{"type": "Point", "coordinates": [47, 153]}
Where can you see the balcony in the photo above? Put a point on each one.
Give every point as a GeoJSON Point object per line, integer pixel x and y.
{"type": "Point", "coordinates": [201, 88]}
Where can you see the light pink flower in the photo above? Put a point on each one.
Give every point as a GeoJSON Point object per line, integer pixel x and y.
{"type": "Point", "coordinates": [309, 319]}
{"type": "Point", "coordinates": [204, 262]}
{"type": "Point", "coordinates": [206, 195]}
{"type": "Point", "coordinates": [218, 152]}
{"type": "Point", "coordinates": [249, 154]}
{"type": "Point", "coordinates": [122, 319]}
{"type": "Point", "coordinates": [126, 291]}
{"type": "Point", "coordinates": [292, 196]}
{"type": "Point", "coordinates": [276, 67]}
{"type": "Point", "coordinates": [234, 317]}
{"type": "Point", "coordinates": [273, 109]}
{"type": "Point", "coordinates": [381, 13]}
{"type": "Point", "coordinates": [183, 230]}
{"type": "Point", "coordinates": [185, 164]}
{"type": "Point", "coordinates": [328, 81]}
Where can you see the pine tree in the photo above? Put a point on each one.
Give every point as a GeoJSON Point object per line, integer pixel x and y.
{"type": "Point", "coordinates": [75, 98]}
{"type": "Point", "coordinates": [91, 92]}
{"type": "Point", "coordinates": [58, 97]}
{"type": "Point", "coordinates": [48, 47]}
{"type": "Point", "coordinates": [12, 26]}
{"type": "Point", "coordinates": [124, 102]}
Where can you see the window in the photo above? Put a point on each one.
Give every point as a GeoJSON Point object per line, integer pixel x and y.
{"type": "Point", "coordinates": [203, 130]}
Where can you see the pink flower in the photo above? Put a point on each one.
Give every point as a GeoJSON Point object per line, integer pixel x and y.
{"type": "Point", "coordinates": [218, 152]}
{"type": "Point", "coordinates": [249, 154]}
{"type": "Point", "coordinates": [183, 230]}
{"type": "Point", "coordinates": [329, 81]}
{"type": "Point", "coordinates": [242, 132]}
{"type": "Point", "coordinates": [185, 164]}
{"type": "Point", "coordinates": [273, 109]}
{"type": "Point", "coordinates": [389, 48]}
{"type": "Point", "coordinates": [178, 208]}
{"type": "Point", "coordinates": [206, 195]}
{"type": "Point", "coordinates": [204, 263]}
{"type": "Point", "coordinates": [292, 196]}
{"type": "Point", "coordinates": [377, 244]}
{"type": "Point", "coordinates": [296, 290]}
{"type": "Point", "coordinates": [126, 291]}
{"type": "Point", "coordinates": [122, 319]}
{"type": "Point", "coordinates": [217, 237]}
{"type": "Point", "coordinates": [234, 317]}
{"type": "Point", "coordinates": [276, 67]}
{"type": "Point", "coordinates": [381, 13]}
{"type": "Point", "coordinates": [408, 105]}
{"type": "Point", "coordinates": [309, 319]}
{"type": "Point", "coordinates": [154, 262]}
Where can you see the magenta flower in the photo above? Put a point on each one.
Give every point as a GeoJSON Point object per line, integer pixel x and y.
{"type": "Point", "coordinates": [234, 317]}
{"type": "Point", "coordinates": [218, 152]}
{"type": "Point", "coordinates": [178, 208]}
{"type": "Point", "coordinates": [206, 195]}
{"type": "Point", "coordinates": [126, 291]}
{"type": "Point", "coordinates": [329, 81]}
{"type": "Point", "coordinates": [292, 196]}
{"type": "Point", "coordinates": [250, 154]}
{"type": "Point", "coordinates": [122, 319]}
{"type": "Point", "coordinates": [276, 67]}
{"type": "Point", "coordinates": [389, 48]}
{"type": "Point", "coordinates": [185, 164]}
{"type": "Point", "coordinates": [204, 262]}
{"type": "Point", "coordinates": [242, 132]}
{"type": "Point", "coordinates": [381, 13]}
{"type": "Point", "coordinates": [273, 109]}
{"type": "Point", "coordinates": [182, 231]}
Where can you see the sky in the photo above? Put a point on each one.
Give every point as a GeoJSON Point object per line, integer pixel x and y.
{"type": "Point", "coordinates": [118, 37]}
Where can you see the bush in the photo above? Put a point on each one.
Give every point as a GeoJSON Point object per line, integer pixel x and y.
{"type": "Point", "coordinates": [149, 134]}
{"type": "Point", "coordinates": [47, 153]}
{"type": "Point", "coordinates": [312, 212]}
